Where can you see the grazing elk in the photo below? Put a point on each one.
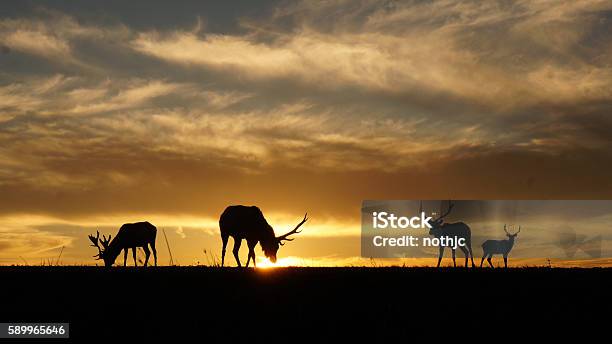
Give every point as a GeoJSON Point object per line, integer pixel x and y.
{"type": "Point", "coordinates": [242, 222]}
{"type": "Point", "coordinates": [503, 247]}
{"type": "Point", "coordinates": [130, 235]}
{"type": "Point", "coordinates": [457, 230]}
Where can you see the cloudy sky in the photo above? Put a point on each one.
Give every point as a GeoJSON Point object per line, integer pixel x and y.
{"type": "Point", "coordinates": [114, 112]}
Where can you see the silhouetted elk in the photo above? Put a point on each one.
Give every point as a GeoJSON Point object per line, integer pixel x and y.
{"type": "Point", "coordinates": [130, 235]}
{"type": "Point", "coordinates": [242, 222]}
{"type": "Point", "coordinates": [503, 247]}
{"type": "Point", "coordinates": [454, 230]}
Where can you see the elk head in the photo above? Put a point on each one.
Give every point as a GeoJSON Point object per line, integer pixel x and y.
{"type": "Point", "coordinates": [271, 248]}
{"type": "Point", "coordinates": [511, 236]}
{"type": "Point", "coordinates": [96, 241]}
{"type": "Point", "coordinates": [437, 222]}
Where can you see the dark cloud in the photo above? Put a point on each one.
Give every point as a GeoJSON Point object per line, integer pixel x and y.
{"type": "Point", "coordinates": [218, 17]}
{"type": "Point", "coordinates": [146, 183]}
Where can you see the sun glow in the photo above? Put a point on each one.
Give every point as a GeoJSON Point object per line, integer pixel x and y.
{"type": "Point", "coordinates": [265, 263]}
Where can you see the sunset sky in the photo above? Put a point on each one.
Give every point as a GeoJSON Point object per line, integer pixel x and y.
{"type": "Point", "coordinates": [114, 112]}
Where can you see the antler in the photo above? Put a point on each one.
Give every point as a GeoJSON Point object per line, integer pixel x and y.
{"type": "Point", "coordinates": [94, 241]}
{"type": "Point", "coordinates": [450, 207]}
{"type": "Point", "coordinates": [505, 230]}
{"type": "Point", "coordinates": [294, 231]}
{"type": "Point", "coordinates": [105, 241]}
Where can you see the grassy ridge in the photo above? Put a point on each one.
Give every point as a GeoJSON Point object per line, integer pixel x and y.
{"type": "Point", "coordinates": [211, 303]}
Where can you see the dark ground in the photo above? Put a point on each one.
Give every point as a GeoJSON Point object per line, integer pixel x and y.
{"type": "Point", "coordinates": [278, 305]}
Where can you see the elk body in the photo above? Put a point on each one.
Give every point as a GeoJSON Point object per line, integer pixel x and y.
{"type": "Point", "coordinates": [457, 230]}
{"type": "Point", "coordinates": [130, 235]}
{"type": "Point", "coordinates": [248, 223]}
{"type": "Point", "coordinates": [503, 247]}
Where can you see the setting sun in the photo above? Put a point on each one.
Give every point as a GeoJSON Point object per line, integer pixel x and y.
{"type": "Point", "coordinates": [265, 263]}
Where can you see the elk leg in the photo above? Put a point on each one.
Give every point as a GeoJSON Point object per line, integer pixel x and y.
{"type": "Point", "coordinates": [465, 252]}
{"type": "Point", "coordinates": [154, 252]}
{"type": "Point", "coordinates": [134, 254]}
{"type": "Point", "coordinates": [236, 249]}
{"type": "Point", "coordinates": [251, 257]}
{"type": "Point", "coordinates": [251, 253]}
{"type": "Point", "coordinates": [506, 261]}
{"type": "Point", "coordinates": [224, 240]}
{"type": "Point", "coordinates": [469, 247]}
{"type": "Point", "coordinates": [489, 260]}
{"type": "Point", "coordinates": [145, 248]}
{"type": "Point", "coordinates": [440, 256]}
{"type": "Point", "coordinates": [125, 252]}
{"type": "Point", "coordinates": [482, 260]}
{"type": "Point", "coordinates": [454, 263]}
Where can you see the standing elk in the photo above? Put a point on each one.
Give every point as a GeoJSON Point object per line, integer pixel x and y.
{"type": "Point", "coordinates": [243, 222]}
{"type": "Point", "coordinates": [130, 235]}
{"type": "Point", "coordinates": [503, 247]}
{"type": "Point", "coordinates": [458, 230]}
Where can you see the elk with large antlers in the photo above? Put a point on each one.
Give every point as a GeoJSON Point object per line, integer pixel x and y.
{"type": "Point", "coordinates": [130, 235]}
{"type": "Point", "coordinates": [458, 230]}
{"type": "Point", "coordinates": [242, 222]}
{"type": "Point", "coordinates": [503, 247]}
